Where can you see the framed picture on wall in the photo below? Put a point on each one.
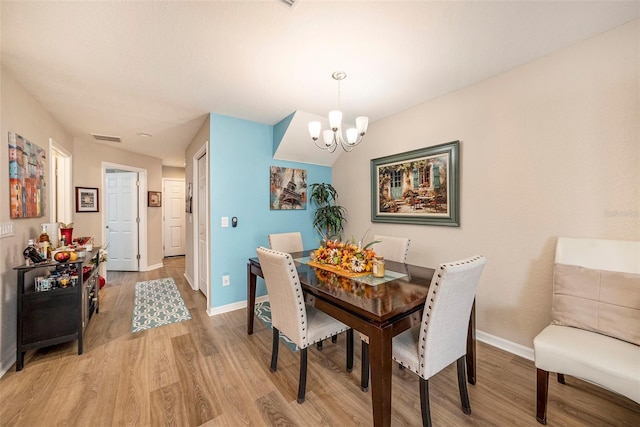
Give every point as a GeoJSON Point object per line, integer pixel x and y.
{"type": "Point", "coordinates": [27, 179]}
{"type": "Point", "coordinates": [288, 188]}
{"type": "Point", "coordinates": [87, 199]}
{"type": "Point", "coordinates": [154, 199]}
{"type": "Point", "coordinates": [417, 187]}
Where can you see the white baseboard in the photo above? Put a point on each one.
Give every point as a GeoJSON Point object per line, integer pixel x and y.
{"type": "Point", "coordinates": [8, 362]}
{"type": "Point", "coordinates": [189, 280]}
{"type": "Point", "coordinates": [501, 343]}
{"type": "Point", "coordinates": [155, 266]}
{"type": "Point", "coordinates": [233, 307]}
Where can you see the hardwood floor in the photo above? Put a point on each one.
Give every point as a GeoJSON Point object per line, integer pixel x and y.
{"type": "Point", "coordinates": [208, 371]}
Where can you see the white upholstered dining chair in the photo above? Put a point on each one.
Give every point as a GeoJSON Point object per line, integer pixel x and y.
{"type": "Point", "coordinates": [286, 242]}
{"type": "Point", "coordinates": [292, 243]}
{"type": "Point", "coordinates": [301, 323]}
{"type": "Point", "coordinates": [441, 338]}
{"type": "Point", "coordinates": [392, 249]}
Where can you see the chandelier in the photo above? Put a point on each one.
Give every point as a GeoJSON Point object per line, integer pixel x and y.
{"type": "Point", "coordinates": [333, 137]}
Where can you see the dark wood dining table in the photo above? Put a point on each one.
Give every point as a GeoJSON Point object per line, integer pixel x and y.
{"type": "Point", "coordinates": [379, 311]}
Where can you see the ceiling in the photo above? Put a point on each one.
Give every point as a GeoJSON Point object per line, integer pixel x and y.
{"type": "Point", "coordinates": [121, 68]}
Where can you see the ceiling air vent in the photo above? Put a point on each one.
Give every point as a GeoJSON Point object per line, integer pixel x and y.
{"type": "Point", "coordinates": [106, 138]}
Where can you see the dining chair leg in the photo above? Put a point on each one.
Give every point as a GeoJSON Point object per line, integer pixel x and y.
{"type": "Point", "coordinates": [560, 378]}
{"type": "Point", "coordinates": [274, 350]}
{"type": "Point", "coordinates": [302, 384]}
{"type": "Point", "coordinates": [364, 373]}
{"type": "Point", "coordinates": [542, 392]}
{"type": "Point", "coordinates": [349, 350]}
{"type": "Point", "coordinates": [334, 339]}
{"type": "Point", "coordinates": [462, 385]}
{"type": "Point", "coordinates": [319, 345]}
{"type": "Point", "coordinates": [424, 402]}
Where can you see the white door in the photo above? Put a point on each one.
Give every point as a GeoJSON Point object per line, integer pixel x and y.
{"type": "Point", "coordinates": [121, 214]}
{"type": "Point", "coordinates": [203, 241]}
{"type": "Point", "coordinates": [173, 215]}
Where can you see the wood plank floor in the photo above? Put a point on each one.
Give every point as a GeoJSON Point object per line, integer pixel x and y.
{"type": "Point", "coordinates": [208, 371]}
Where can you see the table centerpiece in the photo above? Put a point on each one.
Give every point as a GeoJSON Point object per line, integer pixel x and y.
{"type": "Point", "coordinates": [346, 258]}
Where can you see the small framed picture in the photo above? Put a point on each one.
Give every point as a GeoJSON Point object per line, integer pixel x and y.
{"type": "Point", "coordinates": [87, 200]}
{"type": "Point", "coordinates": [154, 199]}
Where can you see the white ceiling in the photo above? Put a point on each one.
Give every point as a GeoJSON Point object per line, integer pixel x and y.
{"type": "Point", "coordinates": [119, 68]}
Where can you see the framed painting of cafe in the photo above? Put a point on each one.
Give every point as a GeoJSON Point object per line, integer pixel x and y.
{"type": "Point", "coordinates": [417, 187]}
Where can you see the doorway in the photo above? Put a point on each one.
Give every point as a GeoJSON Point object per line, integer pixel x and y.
{"type": "Point", "coordinates": [124, 217]}
{"type": "Point", "coordinates": [201, 221]}
{"type": "Point", "coordinates": [173, 216]}
{"type": "Point", "coordinates": [61, 192]}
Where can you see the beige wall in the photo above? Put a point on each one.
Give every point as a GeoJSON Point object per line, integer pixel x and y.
{"type": "Point", "coordinates": [172, 172]}
{"type": "Point", "coordinates": [201, 138]}
{"type": "Point", "coordinates": [20, 113]}
{"type": "Point", "coordinates": [548, 149]}
{"type": "Point", "coordinates": [88, 157]}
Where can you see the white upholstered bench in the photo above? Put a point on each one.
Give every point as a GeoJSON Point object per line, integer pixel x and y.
{"type": "Point", "coordinates": [595, 330]}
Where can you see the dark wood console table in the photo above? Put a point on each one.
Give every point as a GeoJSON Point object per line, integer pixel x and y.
{"type": "Point", "coordinates": [57, 315]}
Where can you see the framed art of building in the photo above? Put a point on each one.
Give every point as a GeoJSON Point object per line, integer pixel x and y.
{"type": "Point", "coordinates": [417, 187]}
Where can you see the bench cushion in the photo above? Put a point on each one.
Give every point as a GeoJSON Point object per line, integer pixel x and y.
{"type": "Point", "coordinates": [608, 362]}
{"type": "Point", "coordinates": [602, 301]}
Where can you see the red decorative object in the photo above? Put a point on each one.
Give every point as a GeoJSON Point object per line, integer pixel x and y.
{"type": "Point", "coordinates": [67, 234]}
{"type": "Point", "coordinates": [102, 281]}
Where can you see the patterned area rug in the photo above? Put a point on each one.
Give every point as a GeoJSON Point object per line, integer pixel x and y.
{"type": "Point", "coordinates": [263, 312]}
{"type": "Point", "coordinates": [157, 303]}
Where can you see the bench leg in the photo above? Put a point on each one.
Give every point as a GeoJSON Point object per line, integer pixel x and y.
{"type": "Point", "coordinates": [542, 388]}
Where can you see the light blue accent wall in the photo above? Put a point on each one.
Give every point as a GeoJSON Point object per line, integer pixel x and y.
{"type": "Point", "coordinates": [241, 154]}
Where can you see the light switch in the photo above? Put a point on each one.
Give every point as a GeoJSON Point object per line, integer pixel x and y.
{"type": "Point", "coordinates": [225, 221]}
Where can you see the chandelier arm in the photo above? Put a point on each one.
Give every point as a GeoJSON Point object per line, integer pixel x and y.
{"type": "Point", "coordinates": [359, 140]}
{"type": "Point", "coordinates": [346, 148]}
{"type": "Point", "coordinates": [315, 140]}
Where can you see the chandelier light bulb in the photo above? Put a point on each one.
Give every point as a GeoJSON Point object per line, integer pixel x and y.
{"type": "Point", "coordinates": [352, 136]}
{"type": "Point", "coordinates": [362, 123]}
{"type": "Point", "coordinates": [327, 136]}
{"type": "Point", "coordinates": [314, 129]}
{"type": "Point", "coordinates": [335, 119]}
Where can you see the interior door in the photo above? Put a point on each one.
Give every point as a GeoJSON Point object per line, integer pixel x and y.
{"type": "Point", "coordinates": [122, 220]}
{"type": "Point", "coordinates": [203, 241]}
{"type": "Point", "coordinates": [174, 226]}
